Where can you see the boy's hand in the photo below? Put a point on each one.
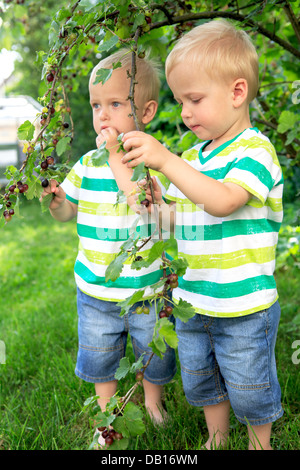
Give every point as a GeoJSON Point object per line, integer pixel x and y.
{"type": "Point", "coordinates": [143, 147]}
{"type": "Point", "coordinates": [156, 192]}
{"type": "Point", "coordinates": [108, 135]}
{"type": "Point", "coordinates": [58, 192]}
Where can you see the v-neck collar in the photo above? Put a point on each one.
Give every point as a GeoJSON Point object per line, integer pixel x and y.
{"type": "Point", "coordinates": [220, 148]}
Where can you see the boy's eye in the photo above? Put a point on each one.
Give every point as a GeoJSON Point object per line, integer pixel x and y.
{"type": "Point", "coordinates": [116, 104]}
{"type": "Point", "coordinates": [95, 106]}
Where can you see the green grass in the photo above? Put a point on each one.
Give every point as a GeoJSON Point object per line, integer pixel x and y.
{"type": "Point", "coordinates": [41, 399]}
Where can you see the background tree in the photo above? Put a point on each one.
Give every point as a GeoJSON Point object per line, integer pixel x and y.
{"type": "Point", "coordinates": [77, 36]}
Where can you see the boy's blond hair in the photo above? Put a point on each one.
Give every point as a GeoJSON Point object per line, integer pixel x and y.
{"type": "Point", "coordinates": [147, 72]}
{"type": "Point", "coordinates": [221, 50]}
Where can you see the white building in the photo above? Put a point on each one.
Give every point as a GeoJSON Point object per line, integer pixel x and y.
{"type": "Point", "coordinates": [13, 112]}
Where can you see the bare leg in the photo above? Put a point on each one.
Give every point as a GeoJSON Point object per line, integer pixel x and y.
{"type": "Point", "coordinates": [153, 403]}
{"type": "Point", "coordinates": [105, 391]}
{"type": "Point", "coordinates": [217, 420]}
{"type": "Point", "coordinates": [259, 437]}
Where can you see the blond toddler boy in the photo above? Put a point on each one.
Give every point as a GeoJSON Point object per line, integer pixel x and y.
{"type": "Point", "coordinates": [90, 193]}
{"type": "Point", "coordinates": [228, 195]}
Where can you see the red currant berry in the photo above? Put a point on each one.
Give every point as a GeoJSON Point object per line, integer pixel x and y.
{"type": "Point", "coordinates": [174, 284]}
{"type": "Point", "coordinates": [50, 77]}
{"type": "Point", "coordinates": [162, 314]}
{"type": "Point", "coordinates": [101, 428]}
{"type": "Point", "coordinates": [109, 440]}
{"type": "Point", "coordinates": [50, 160]}
{"type": "Point", "coordinates": [139, 376]}
{"type": "Point", "coordinates": [168, 310]}
{"type": "Point", "coordinates": [145, 202]}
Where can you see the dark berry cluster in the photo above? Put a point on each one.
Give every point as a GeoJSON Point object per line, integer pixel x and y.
{"type": "Point", "coordinates": [109, 435]}
{"type": "Point", "coordinates": [19, 187]}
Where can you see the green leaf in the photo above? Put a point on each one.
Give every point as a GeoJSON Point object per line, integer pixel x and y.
{"type": "Point", "coordinates": [62, 145]}
{"type": "Point", "coordinates": [90, 4]}
{"type": "Point", "coordinates": [287, 120]}
{"type": "Point", "coordinates": [109, 44]}
{"type": "Point", "coordinates": [167, 332]}
{"type": "Point", "coordinates": [34, 189]}
{"type": "Point", "coordinates": [102, 75]}
{"type": "Point", "coordinates": [126, 367]}
{"type": "Point", "coordinates": [119, 139]}
{"type": "Point", "coordinates": [12, 173]}
{"type": "Point", "coordinates": [100, 156]}
{"type": "Point", "coordinates": [139, 172]}
{"type": "Point", "coordinates": [104, 419]}
{"type": "Point", "coordinates": [114, 269]}
{"type": "Point", "coordinates": [26, 131]}
{"type": "Point", "coordinates": [122, 444]}
{"type": "Point", "coordinates": [46, 201]}
{"type": "Point", "coordinates": [130, 301]}
{"type": "Point", "coordinates": [89, 401]}
{"type": "Point", "coordinates": [155, 252]}
{"type": "Point", "coordinates": [163, 333]}
{"type": "Point", "coordinates": [183, 310]}
{"type": "Point", "coordinates": [123, 369]}
{"type": "Point", "coordinates": [17, 208]}
{"type": "Point", "coordinates": [138, 364]}
{"type": "Point", "coordinates": [180, 266]}
{"type": "Point", "coordinates": [171, 247]}
{"type": "Point", "coordinates": [121, 198]}
{"type": "Point", "coordinates": [131, 423]}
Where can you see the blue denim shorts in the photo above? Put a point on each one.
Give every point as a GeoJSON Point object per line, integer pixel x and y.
{"type": "Point", "coordinates": [103, 338]}
{"type": "Point", "coordinates": [232, 359]}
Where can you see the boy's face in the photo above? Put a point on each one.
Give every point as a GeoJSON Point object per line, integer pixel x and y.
{"type": "Point", "coordinates": [110, 104]}
{"type": "Point", "coordinates": [206, 104]}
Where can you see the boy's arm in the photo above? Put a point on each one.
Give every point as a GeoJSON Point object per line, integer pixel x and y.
{"type": "Point", "coordinates": [60, 208]}
{"type": "Point", "coordinates": [218, 199]}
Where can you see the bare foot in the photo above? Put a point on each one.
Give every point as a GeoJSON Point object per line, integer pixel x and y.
{"type": "Point", "coordinates": [157, 415]}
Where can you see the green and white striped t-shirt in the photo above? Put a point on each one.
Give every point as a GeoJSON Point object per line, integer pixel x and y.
{"type": "Point", "coordinates": [103, 228]}
{"type": "Point", "coordinates": [231, 259]}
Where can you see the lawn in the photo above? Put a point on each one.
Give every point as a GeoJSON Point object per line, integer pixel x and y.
{"type": "Point", "coordinates": [41, 399]}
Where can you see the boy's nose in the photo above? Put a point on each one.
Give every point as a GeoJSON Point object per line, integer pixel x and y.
{"type": "Point", "coordinates": [103, 114]}
{"type": "Point", "coordinates": [185, 111]}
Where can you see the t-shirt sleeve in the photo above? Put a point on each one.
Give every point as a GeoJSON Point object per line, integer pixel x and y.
{"type": "Point", "coordinates": [72, 183]}
{"type": "Point", "coordinates": [258, 171]}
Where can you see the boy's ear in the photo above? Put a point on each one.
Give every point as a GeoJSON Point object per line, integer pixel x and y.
{"type": "Point", "coordinates": [149, 111]}
{"type": "Point", "coordinates": [239, 92]}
